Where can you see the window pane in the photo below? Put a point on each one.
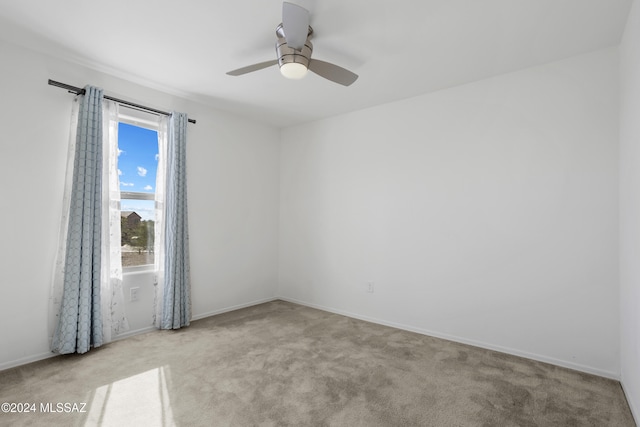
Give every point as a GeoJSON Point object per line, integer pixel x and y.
{"type": "Point", "coordinates": [137, 166]}
{"type": "Point", "coordinates": [137, 228]}
{"type": "Point", "coordinates": [137, 158]}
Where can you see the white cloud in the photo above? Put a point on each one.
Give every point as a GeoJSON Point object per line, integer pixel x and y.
{"type": "Point", "coordinates": [157, 157]}
{"type": "Point", "coordinates": [148, 188]}
{"type": "Point", "coordinates": [121, 152]}
{"type": "Point", "coordinates": [127, 184]}
{"type": "Point", "coordinates": [142, 171]}
{"type": "Point", "coordinates": [120, 173]}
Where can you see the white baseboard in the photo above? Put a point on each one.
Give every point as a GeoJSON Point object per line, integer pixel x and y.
{"type": "Point", "coordinates": [514, 352]}
{"type": "Point", "coordinates": [233, 308]}
{"type": "Point", "coordinates": [132, 333]}
{"type": "Point", "coordinates": [42, 356]}
{"type": "Point", "coordinates": [26, 360]}
{"type": "Point", "coordinates": [631, 402]}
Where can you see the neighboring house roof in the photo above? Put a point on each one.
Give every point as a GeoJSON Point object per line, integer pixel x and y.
{"type": "Point", "coordinates": [127, 214]}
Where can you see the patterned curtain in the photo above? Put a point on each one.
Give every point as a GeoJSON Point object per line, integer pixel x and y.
{"type": "Point", "coordinates": [80, 320]}
{"type": "Point", "coordinates": [173, 290]}
{"type": "Point", "coordinates": [87, 298]}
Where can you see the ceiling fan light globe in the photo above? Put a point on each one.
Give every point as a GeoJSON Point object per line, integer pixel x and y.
{"type": "Point", "coordinates": [293, 70]}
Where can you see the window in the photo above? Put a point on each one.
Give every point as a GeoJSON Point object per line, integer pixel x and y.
{"type": "Point", "coordinates": [137, 167]}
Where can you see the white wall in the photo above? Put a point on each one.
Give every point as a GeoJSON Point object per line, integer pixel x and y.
{"type": "Point", "coordinates": [233, 192]}
{"type": "Point", "coordinates": [630, 210]}
{"type": "Point", "coordinates": [485, 213]}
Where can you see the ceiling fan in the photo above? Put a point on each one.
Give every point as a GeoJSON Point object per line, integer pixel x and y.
{"type": "Point", "coordinates": [294, 49]}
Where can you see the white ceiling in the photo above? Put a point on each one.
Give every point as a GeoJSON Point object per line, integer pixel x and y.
{"type": "Point", "coordinates": [399, 48]}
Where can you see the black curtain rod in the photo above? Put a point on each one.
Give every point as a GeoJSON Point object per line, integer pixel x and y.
{"type": "Point", "coordinates": [80, 91]}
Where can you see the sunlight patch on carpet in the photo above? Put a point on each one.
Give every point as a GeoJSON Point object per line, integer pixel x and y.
{"type": "Point", "coordinates": [141, 399]}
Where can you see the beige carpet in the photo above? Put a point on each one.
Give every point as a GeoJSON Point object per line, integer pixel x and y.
{"type": "Point", "coordinates": [284, 364]}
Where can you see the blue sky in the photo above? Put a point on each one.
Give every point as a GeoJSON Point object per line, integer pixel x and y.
{"type": "Point", "coordinates": [137, 166]}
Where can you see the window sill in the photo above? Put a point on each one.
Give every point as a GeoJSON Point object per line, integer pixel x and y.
{"type": "Point", "coordinates": [148, 268]}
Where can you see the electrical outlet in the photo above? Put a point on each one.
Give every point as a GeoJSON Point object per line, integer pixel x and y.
{"type": "Point", "coordinates": [369, 287]}
{"type": "Point", "coordinates": [133, 294]}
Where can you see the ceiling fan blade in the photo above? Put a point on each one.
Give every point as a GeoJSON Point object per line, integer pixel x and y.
{"type": "Point", "coordinates": [251, 68]}
{"type": "Point", "coordinates": [295, 22]}
{"type": "Point", "coordinates": [332, 72]}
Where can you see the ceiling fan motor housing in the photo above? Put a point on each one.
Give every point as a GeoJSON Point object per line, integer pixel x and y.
{"type": "Point", "coordinates": [287, 54]}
